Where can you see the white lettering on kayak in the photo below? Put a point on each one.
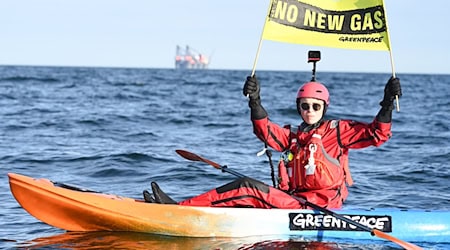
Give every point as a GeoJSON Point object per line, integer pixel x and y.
{"type": "Point", "coordinates": [308, 221]}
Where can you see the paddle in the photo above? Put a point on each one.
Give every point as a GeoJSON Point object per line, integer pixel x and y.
{"type": "Point", "coordinates": [374, 232]}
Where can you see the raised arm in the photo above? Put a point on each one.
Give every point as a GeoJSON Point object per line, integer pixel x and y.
{"type": "Point", "coordinates": [275, 136]}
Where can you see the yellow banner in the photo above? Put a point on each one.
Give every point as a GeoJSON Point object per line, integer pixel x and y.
{"type": "Point", "coordinates": [347, 24]}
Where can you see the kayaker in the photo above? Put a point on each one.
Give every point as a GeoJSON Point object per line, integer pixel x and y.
{"type": "Point", "coordinates": [315, 153]}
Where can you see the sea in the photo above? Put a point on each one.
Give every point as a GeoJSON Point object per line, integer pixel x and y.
{"type": "Point", "coordinates": [115, 130]}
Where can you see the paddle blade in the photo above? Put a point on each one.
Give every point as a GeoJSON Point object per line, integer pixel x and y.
{"type": "Point", "coordinates": [188, 155]}
{"type": "Point", "coordinates": [193, 157]}
{"type": "Point", "coordinates": [404, 244]}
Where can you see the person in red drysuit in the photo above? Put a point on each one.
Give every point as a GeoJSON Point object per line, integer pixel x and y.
{"type": "Point", "coordinates": [315, 162]}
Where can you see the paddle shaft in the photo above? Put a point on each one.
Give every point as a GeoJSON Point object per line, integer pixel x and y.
{"type": "Point", "coordinates": [193, 157]}
{"type": "Point", "coordinates": [374, 232]}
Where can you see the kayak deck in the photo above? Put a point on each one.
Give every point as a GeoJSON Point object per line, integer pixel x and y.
{"type": "Point", "coordinates": [83, 210]}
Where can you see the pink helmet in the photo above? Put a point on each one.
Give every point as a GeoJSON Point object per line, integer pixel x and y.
{"type": "Point", "coordinates": [314, 90]}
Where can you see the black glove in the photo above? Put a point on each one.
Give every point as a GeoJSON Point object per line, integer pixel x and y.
{"type": "Point", "coordinates": [391, 90]}
{"type": "Point", "coordinates": [251, 88]}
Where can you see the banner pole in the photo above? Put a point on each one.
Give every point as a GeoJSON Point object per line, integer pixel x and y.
{"type": "Point", "coordinates": [261, 39]}
{"type": "Point", "coordinates": [393, 75]}
{"type": "Point", "coordinates": [391, 56]}
{"type": "Point", "coordinates": [256, 57]}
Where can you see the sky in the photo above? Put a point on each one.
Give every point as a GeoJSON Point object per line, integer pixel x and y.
{"type": "Point", "coordinates": [145, 33]}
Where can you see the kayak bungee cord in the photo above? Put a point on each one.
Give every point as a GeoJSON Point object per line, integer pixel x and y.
{"type": "Point", "coordinates": [409, 246]}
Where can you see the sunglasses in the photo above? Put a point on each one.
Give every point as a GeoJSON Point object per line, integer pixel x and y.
{"type": "Point", "coordinates": [315, 106]}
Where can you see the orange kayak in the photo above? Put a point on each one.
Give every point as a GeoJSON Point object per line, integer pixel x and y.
{"type": "Point", "coordinates": [74, 209]}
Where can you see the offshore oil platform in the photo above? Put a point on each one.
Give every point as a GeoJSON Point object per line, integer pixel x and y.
{"type": "Point", "coordinates": [189, 58]}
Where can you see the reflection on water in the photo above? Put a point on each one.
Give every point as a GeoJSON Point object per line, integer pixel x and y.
{"type": "Point", "coordinates": [127, 240]}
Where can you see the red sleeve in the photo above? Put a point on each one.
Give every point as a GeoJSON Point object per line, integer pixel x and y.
{"type": "Point", "coordinates": [275, 136]}
{"type": "Point", "coordinates": [360, 135]}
